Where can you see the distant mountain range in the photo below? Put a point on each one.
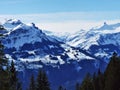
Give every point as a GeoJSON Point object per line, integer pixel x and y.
{"type": "Point", "coordinates": [66, 58]}
{"type": "Point", "coordinates": [100, 42]}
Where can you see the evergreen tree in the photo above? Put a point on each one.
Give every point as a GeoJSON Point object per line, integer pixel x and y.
{"type": "Point", "coordinates": [32, 84]}
{"type": "Point", "coordinates": [13, 77]}
{"type": "Point", "coordinates": [87, 83]}
{"type": "Point", "coordinates": [4, 72]}
{"type": "Point", "coordinates": [46, 84]}
{"type": "Point", "coordinates": [42, 81]}
{"type": "Point", "coordinates": [100, 78]}
{"type": "Point", "coordinates": [8, 77]}
{"type": "Point", "coordinates": [98, 81]}
{"type": "Point", "coordinates": [107, 81]}
{"type": "Point", "coordinates": [94, 81]}
{"type": "Point", "coordinates": [112, 74]}
{"type": "Point", "coordinates": [39, 85]}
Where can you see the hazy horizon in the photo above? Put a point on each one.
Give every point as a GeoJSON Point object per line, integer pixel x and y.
{"type": "Point", "coordinates": [63, 15]}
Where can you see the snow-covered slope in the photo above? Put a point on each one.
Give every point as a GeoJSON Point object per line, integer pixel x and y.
{"type": "Point", "coordinates": [11, 23]}
{"type": "Point", "coordinates": [109, 27]}
{"type": "Point", "coordinates": [32, 49]}
{"type": "Point", "coordinates": [77, 38]}
{"type": "Point", "coordinates": [101, 41]}
{"type": "Point", "coordinates": [26, 42]}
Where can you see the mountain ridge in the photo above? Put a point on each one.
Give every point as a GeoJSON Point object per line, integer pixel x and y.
{"type": "Point", "coordinates": [101, 38]}
{"type": "Point", "coordinates": [32, 49]}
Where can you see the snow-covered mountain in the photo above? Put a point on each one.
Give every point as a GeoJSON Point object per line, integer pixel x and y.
{"type": "Point", "coordinates": [26, 42]}
{"type": "Point", "coordinates": [11, 23]}
{"type": "Point", "coordinates": [66, 58]}
{"type": "Point", "coordinates": [32, 49]}
{"type": "Point", "coordinates": [101, 41]}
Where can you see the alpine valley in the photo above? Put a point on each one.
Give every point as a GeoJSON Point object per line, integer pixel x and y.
{"type": "Point", "coordinates": [65, 58]}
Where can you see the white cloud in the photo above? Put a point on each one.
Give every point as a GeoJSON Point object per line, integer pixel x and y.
{"type": "Point", "coordinates": [72, 26]}
{"type": "Point", "coordinates": [67, 21]}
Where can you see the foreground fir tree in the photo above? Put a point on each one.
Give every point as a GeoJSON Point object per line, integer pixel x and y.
{"type": "Point", "coordinates": [14, 82]}
{"type": "Point", "coordinates": [42, 81]}
{"type": "Point", "coordinates": [110, 80]}
{"type": "Point", "coordinates": [98, 81]}
{"type": "Point", "coordinates": [112, 74]}
{"type": "Point", "coordinates": [39, 81]}
{"type": "Point", "coordinates": [13, 77]}
{"type": "Point", "coordinates": [8, 77]}
{"type": "Point", "coordinates": [32, 84]}
{"type": "Point", "coordinates": [46, 84]}
{"type": "Point", "coordinates": [87, 83]}
{"type": "Point", "coordinates": [4, 72]}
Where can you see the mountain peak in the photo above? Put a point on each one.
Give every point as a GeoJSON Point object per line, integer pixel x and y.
{"type": "Point", "coordinates": [105, 23]}
{"type": "Point", "coordinates": [13, 21]}
{"type": "Point", "coordinates": [109, 26]}
{"type": "Point", "coordinates": [33, 25]}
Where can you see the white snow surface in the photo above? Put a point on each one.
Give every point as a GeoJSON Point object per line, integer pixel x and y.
{"type": "Point", "coordinates": [11, 23]}
{"type": "Point", "coordinates": [84, 39]}
{"type": "Point", "coordinates": [23, 34]}
{"type": "Point", "coordinates": [20, 34]}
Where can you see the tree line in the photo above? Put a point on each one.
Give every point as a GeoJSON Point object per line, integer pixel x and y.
{"type": "Point", "coordinates": [109, 80]}
{"type": "Point", "coordinates": [41, 82]}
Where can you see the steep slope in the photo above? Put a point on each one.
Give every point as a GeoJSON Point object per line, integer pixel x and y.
{"type": "Point", "coordinates": [11, 23]}
{"type": "Point", "coordinates": [31, 49]}
{"type": "Point", "coordinates": [28, 43]}
{"type": "Point", "coordinates": [100, 42]}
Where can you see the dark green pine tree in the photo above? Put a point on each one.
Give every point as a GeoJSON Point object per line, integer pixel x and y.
{"type": "Point", "coordinates": [42, 81]}
{"type": "Point", "coordinates": [98, 81]}
{"type": "Point", "coordinates": [87, 83]}
{"type": "Point", "coordinates": [13, 77]}
{"type": "Point", "coordinates": [94, 81]}
{"type": "Point", "coordinates": [39, 83]}
{"type": "Point", "coordinates": [101, 81]}
{"type": "Point", "coordinates": [4, 72]}
{"type": "Point", "coordinates": [46, 84]}
{"type": "Point", "coordinates": [8, 77]}
{"type": "Point", "coordinates": [112, 74]}
{"type": "Point", "coordinates": [32, 83]}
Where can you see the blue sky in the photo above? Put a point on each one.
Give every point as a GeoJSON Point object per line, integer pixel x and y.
{"type": "Point", "coordinates": [51, 6]}
{"type": "Point", "coordinates": [54, 14]}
